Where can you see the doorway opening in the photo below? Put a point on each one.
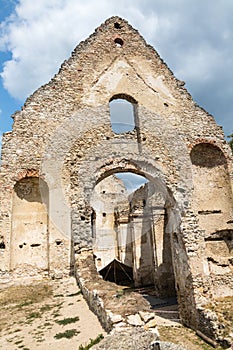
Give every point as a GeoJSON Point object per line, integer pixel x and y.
{"type": "Point", "coordinates": [131, 244]}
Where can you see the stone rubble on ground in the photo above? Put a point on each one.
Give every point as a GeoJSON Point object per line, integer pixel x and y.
{"type": "Point", "coordinates": [134, 339]}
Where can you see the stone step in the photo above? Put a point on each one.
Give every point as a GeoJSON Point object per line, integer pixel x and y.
{"type": "Point", "coordinates": [170, 315]}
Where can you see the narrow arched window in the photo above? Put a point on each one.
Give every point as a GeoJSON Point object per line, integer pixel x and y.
{"type": "Point", "coordinates": [122, 114]}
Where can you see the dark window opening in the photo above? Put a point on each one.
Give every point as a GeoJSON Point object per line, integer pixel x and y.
{"type": "Point", "coordinates": [35, 245]}
{"type": "Point", "coordinates": [2, 245]}
{"type": "Point", "coordinates": [175, 237]}
{"type": "Point", "coordinates": [93, 227]}
{"type": "Point", "coordinates": [117, 25]}
{"type": "Point", "coordinates": [119, 42]}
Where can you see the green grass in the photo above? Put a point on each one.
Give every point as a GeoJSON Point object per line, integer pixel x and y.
{"type": "Point", "coordinates": [223, 307]}
{"type": "Point", "coordinates": [24, 303]}
{"type": "Point", "coordinates": [67, 334]}
{"type": "Point", "coordinates": [25, 295]}
{"type": "Point", "coordinates": [46, 308]}
{"type": "Point", "coordinates": [68, 320]}
{"type": "Point", "coordinates": [92, 343]}
{"type": "Point", "coordinates": [47, 324]}
{"type": "Point", "coordinates": [33, 315]}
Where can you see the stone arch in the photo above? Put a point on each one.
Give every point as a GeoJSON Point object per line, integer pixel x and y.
{"type": "Point", "coordinates": [74, 129]}
{"type": "Point", "coordinates": [212, 196]}
{"type": "Point", "coordinates": [124, 96]}
{"type": "Point", "coordinates": [106, 167]}
{"type": "Point", "coordinates": [25, 173]}
{"type": "Point", "coordinates": [29, 228]}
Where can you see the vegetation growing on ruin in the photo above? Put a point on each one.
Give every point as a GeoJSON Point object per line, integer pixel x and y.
{"type": "Point", "coordinates": [231, 141]}
{"type": "Point", "coordinates": [92, 343]}
{"type": "Point", "coordinates": [223, 307]}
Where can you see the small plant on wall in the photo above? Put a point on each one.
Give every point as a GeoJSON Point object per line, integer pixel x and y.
{"type": "Point", "coordinates": [231, 141]}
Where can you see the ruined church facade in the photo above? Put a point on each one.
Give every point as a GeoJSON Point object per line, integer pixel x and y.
{"type": "Point", "coordinates": [62, 148]}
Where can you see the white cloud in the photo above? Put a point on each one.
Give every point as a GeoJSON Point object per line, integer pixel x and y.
{"type": "Point", "coordinates": [42, 34]}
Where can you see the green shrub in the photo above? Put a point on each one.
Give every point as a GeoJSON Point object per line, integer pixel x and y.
{"type": "Point", "coordinates": [67, 334]}
{"type": "Point", "coordinates": [68, 320]}
{"type": "Point", "coordinates": [92, 343]}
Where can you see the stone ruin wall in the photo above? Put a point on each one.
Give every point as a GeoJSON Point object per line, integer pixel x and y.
{"type": "Point", "coordinates": [63, 137]}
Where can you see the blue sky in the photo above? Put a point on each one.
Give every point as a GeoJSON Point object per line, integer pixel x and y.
{"type": "Point", "coordinates": [195, 39]}
{"type": "Point", "coordinates": [8, 104]}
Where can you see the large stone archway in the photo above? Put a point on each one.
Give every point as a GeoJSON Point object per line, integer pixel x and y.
{"type": "Point", "coordinates": [171, 231]}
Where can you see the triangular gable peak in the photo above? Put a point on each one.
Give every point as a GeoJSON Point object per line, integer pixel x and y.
{"type": "Point", "coordinates": [115, 59]}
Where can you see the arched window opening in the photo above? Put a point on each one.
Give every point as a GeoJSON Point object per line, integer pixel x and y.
{"type": "Point", "coordinates": [122, 115]}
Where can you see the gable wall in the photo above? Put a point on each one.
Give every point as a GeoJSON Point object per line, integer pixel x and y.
{"type": "Point", "coordinates": [63, 134]}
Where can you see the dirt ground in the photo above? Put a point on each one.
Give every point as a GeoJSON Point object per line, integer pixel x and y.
{"type": "Point", "coordinates": [44, 315]}
{"type": "Point", "coordinates": [53, 315]}
{"type": "Point", "coordinates": [185, 337]}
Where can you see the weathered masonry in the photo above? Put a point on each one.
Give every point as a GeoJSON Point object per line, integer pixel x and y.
{"type": "Point", "coordinates": [60, 194]}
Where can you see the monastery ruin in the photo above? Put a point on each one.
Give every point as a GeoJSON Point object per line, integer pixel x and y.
{"type": "Point", "coordinates": [61, 195]}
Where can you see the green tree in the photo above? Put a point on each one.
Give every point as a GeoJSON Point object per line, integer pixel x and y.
{"type": "Point", "coordinates": [231, 141]}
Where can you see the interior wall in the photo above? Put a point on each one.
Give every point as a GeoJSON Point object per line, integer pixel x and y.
{"type": "Point", "coordinates": [213, 203]}
{"type": "Point", "coordinates": [212, 196]}
{"type": "Point", "coordinates": [107, 195]}
{"type": "Point", "coordinates": [29, 234]}
{"type": "Point", "coordinates": [218, 250]}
